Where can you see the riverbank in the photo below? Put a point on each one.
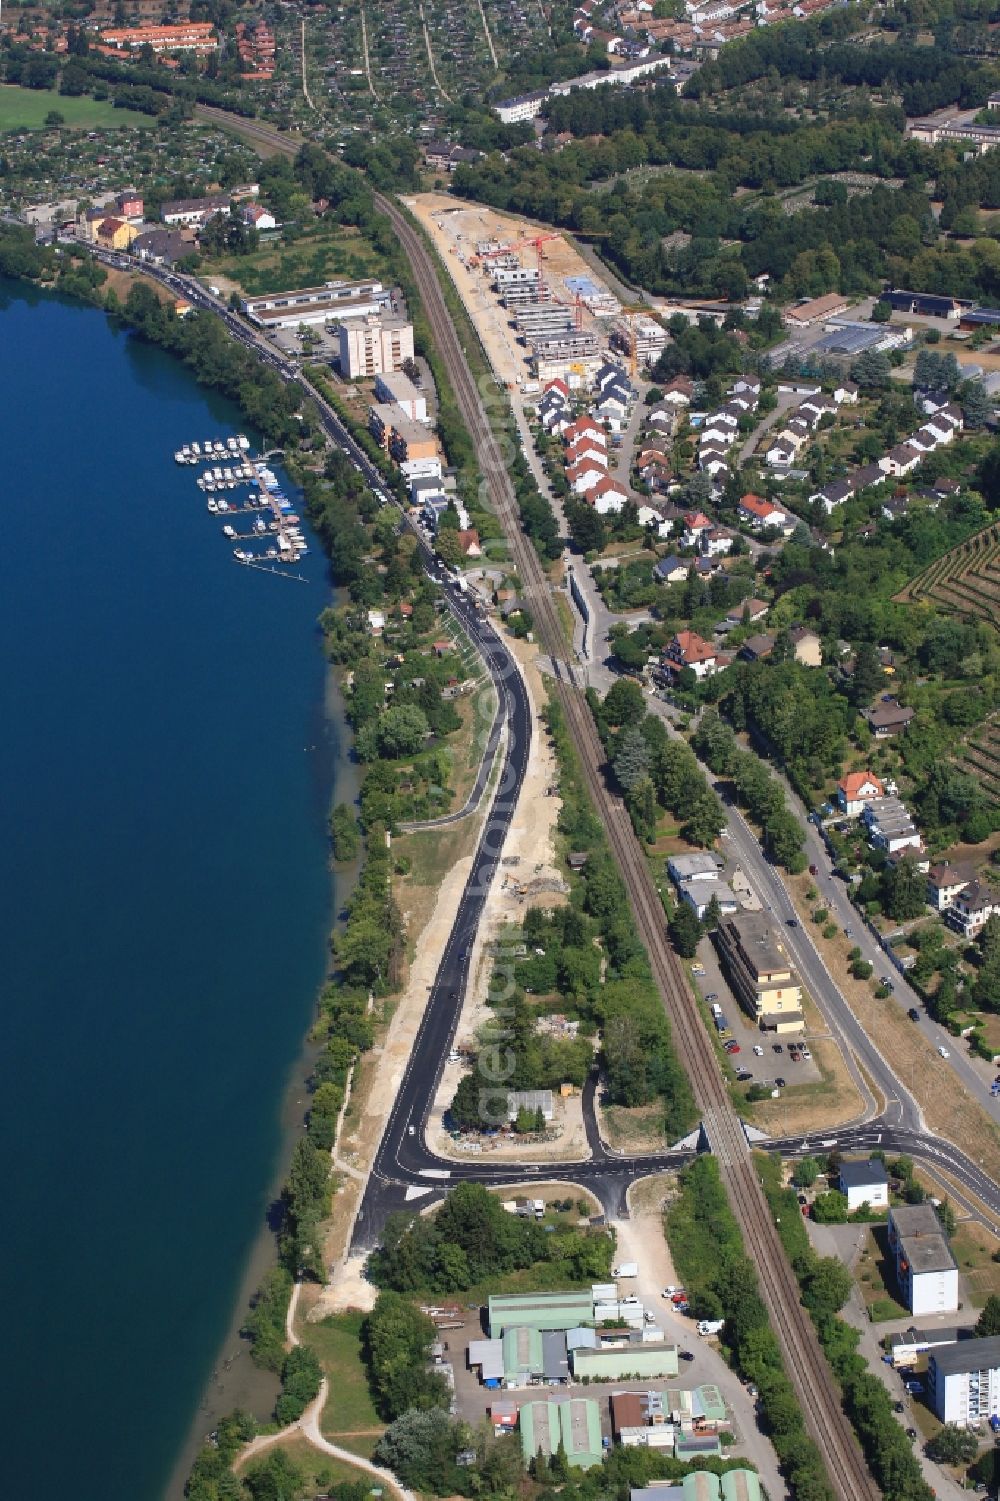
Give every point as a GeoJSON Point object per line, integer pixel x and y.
{"type": "Point", "coordinates": [166, 870]}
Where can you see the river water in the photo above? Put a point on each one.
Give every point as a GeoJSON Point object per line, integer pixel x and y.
{"type": "Point", "coordinates": [167, 758]}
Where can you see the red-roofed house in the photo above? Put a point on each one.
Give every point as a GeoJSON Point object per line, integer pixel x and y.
{"type": "Point", "coordinates": [586, 448]}
{"type": "Point", "coordinates": [583, 476]}
{"type": "Point", "coordinates": [688, 649]}
{"type": "Point", "coordinates": [857, 789]}
{"type": "Point", "coordinates": [606, 496]}
{"type": "Point", "coordinates": [696, 523]}
{"type": "Point", "coordinates": [584, 427]}
{"type": "Point", "coordinates": [468, 541]}
{"type": "Point", "coordinates": [760, 513]}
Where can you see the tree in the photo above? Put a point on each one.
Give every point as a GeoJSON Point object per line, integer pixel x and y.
{"type": "Point", "coordinates": [805, 1172]}
{"type": "Point", "coordinates": [977, 407]}
{"type": "Point", "coordinates": [826, 1286]}
{"type": "Point", "coordinates": [632, 759]}
{"type": "Point", "coordinates": [624, 703]}
{"type": "Point", "coordinates": [402, 729]}
{"type": "Point", "coordinates": [871, 370]}
{"type": "Point", "coordinates": [420, 1447]}
{"type": "Point", "coordinates": [300, 1381]}
{"type": "Point", "coordinates": [448, 547]}
{"type": "Point", "coordinates": [276, 1478]}
{"type": "Point", "coordinates": [830, 1208]}
{"type": "Point", "coordinates": [905, 890]}
{"type": "Point", "coordinates": [988, 1324]}
{"type": "Point", "coordinates": [867, 677]}
{"type": "Point", "coordinates": [685, 930]}
{"type": "Point", "coordinates": [953, 1446]}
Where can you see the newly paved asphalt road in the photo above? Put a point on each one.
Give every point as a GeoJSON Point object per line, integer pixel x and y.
{"type": "Point", "coordinates": [404, 1169]}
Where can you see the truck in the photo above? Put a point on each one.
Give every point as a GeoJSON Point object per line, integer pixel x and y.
{"type": "Point", "coordinates": [626, 1269]}
{"type": "Point", "coordinates": [716, 1009]}
{"type": "Point", "coordinates": [711, 1326]}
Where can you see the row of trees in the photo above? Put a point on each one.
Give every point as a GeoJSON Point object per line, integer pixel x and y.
{"type": "Point", "coordinates": [639, 1055]}
{"type": "Point", "coordinates": [826, 1286]}
{"type": "Point", "coordinates": [756, 789]}
{"type": "Point", "coordinates": [721, 1279]}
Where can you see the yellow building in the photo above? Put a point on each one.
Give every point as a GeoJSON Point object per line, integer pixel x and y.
{"type": "Point", "coordinates": [115, 234]}
{"type": "Point", "coordinates": [760, 972]}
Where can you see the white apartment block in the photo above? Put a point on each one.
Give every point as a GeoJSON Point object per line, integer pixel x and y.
{"type": "Point", "coordinates": [925, 1268]}
{"type": "Point", "coordinates": [963, 1381]}
{"type": "Point", "coordinates": [373, 346]}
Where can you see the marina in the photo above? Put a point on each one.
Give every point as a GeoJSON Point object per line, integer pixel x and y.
{"type": "Point", "coordinates": [282, 542]}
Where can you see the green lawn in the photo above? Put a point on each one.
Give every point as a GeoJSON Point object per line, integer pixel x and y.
{"type": "Point", "coordinates": [323, 254]}
{"type": "Point", "coordinates": [25, 109]}
{"type": "Point", "coordinates": [337, 1343]}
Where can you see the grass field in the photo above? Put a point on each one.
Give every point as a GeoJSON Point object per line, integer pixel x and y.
{"type": "Point", "coordinates": [25, 109]}
{"type": "Point", "coordinates": [315, 258]}
{"type": "Point", "coordinates": [337, 1343]}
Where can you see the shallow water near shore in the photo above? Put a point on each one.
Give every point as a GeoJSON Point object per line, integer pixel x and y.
{"type": "Point", "coordinates": [167, 762]}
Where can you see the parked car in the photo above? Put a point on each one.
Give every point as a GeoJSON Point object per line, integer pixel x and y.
{"type": "Point", "coordinates": [913, 1014]}
{"type": "Point", "coordinates": [732, 1046]}
{"type": "Point", "coordinates": [914, 1387]}
{"type": "Point", "coordinates": [776, 1047]}
{"type": "Point", "coordinates": [812, 870]}
{"type": "Point", "coordinates": [806, 1053]}
{"type": "Point", "coordinates": [886, 982]}
{"type": "Point", "coordinates": [943, 1052]}
{"type": "Point", "coordinates": [685, 1354]}
{"type": "Point", "coordinates": [780, 1083]}
{"type": "Point", "coordinates": [711, 997]}
{"type": "Point", "coordinates": [758, 1050]}
{"type": "Point", "coordinates": [911, 1433]}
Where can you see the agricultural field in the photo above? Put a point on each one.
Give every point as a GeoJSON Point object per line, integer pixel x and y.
{"type": "Point", "coordinates": [964, 581]}
{"type": "Point", "coordinates": [980, 757]}
{"type": "Point", "coordinates": [26, 109]}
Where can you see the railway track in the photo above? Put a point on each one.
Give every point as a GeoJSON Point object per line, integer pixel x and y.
{"type": "Point", "coordinates": [807, 1367]}
{"type": "Point", "coordinates": [806, 1363]}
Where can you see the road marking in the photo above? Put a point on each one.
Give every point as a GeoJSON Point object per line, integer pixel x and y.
{"type": "Point", "coordinates": [417, 1193]}
{"type": "Point", "coordinates": [434, 1172]}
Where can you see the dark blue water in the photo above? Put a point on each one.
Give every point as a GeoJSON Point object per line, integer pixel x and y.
{"type": "Point", "coordinates": [165, 770]}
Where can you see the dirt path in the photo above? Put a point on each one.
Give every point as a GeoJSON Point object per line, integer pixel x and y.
{"type": "Point", "coordinates": [308, 1426]}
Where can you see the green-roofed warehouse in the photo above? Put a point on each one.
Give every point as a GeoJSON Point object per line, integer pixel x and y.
{"type": "Point", "coordinates": [540, 1311]}
{"type": "Point", "coordinates": [701, 1486]}
{"type": "Point", "coordinates": [523, 1357]}
{"type": "Point", "coordinates": [741, 1485]}
{"type": "Point", "coordinates": [575, 1424]}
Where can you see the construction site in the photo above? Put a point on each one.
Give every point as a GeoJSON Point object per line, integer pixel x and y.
{"type": "Point", "coordinates": [542, 311]}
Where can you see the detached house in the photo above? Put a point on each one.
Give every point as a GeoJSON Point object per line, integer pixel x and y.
{"type": "Point", "coordinates": [762, 513]}
{"type": "Point", "coordinates": [688, 649]}
{"type": "Point", "coordinates": [857, 789]}
{"type": "Point", "coordinates": [972, 908]}
{"type": "Point", "coordinates": [944, 883]}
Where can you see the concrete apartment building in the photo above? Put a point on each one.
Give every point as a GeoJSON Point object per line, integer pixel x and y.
{"type": "Point", "coordinates": [373, 346]}
{"type": "Point", "coordinates": [395, 387]}
{"type": "Point", "coordinates": [925, 1268]}
{"type": "Point", "coordinates": [760, 972]}
{"type": "Point", "coordinates": [963, 1381]}
{"type": "Point", "coordinates": [403, 437]}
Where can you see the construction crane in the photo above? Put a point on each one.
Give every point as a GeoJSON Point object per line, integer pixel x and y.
{"type": "Point", "coordinates": [536, 242]}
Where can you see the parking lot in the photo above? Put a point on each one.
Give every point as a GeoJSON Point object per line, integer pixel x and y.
{"type": "Point", "coordinates": [774, 1061]}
